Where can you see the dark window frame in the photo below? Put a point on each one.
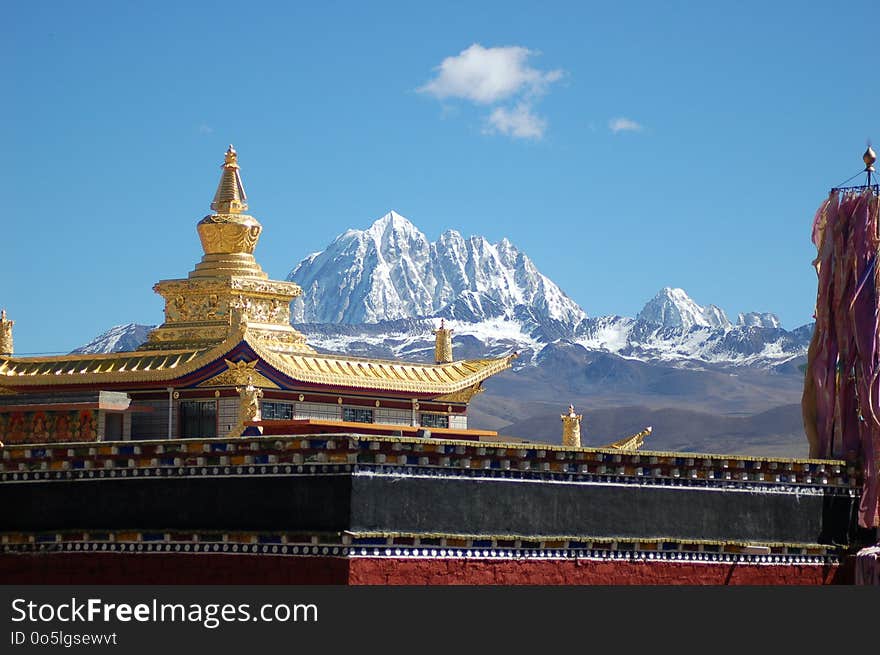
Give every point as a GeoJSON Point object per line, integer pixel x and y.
{"type": "Point", "coordinates": [351, 414]}
{"type": "Point", "coordinates": [269, 410]}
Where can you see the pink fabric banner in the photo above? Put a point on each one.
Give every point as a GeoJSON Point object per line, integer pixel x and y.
{"type": "Point", "coordinates": [841, 402]}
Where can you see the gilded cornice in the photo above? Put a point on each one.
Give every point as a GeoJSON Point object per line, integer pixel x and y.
{"type": "Point", "coordinates": [244, 284]}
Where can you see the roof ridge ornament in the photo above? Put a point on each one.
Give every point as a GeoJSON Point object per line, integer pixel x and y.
{"type": "Point", "coordinates": [571, 428]}
{"type": "Point", "coordinates": [443, 344]}
{"type": "Point", "coordinates": [5, 334]}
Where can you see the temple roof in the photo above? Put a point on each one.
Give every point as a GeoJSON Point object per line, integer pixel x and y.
{"type": "Point", "coordinates": [339, 370]}
{"type": "Point", "coordinates": [330, 370]}
{"type": "Point", "coordinates": [134, 366]}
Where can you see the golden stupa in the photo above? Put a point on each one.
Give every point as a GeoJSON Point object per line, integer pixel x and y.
{"type": "Point", "coordinates": [227, 287]}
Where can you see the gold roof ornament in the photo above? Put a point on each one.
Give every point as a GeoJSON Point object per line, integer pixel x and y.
{"type": "Point", "coordinates": [249, 406]}
{"type": "Point", "coordinates": [571, 428]}
{"type": "Point", "coordinates": [6, 346]}
{"type": "Point", "coordinates": [633, 442]}
{"type": "Point", "coordinates": [443, 344]}
{"type": "Point", "coordinates": [238, 374]}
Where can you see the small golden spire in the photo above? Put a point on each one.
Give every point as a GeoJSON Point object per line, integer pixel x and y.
{"type": "Point", "coordinates": [443, 344]}
{"type": "Point", "coordinates": [571, 428]}
{"type": "Point", "coordinates": [229, 231]}
{"type": "Point", "coordinates": [6, 347]}
{"type": "Point", "coordinates": [869, 158]}
{"type": "Point", "coordinates": [230, 197]}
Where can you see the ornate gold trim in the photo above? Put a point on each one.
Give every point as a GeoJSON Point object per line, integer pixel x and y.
{"type": "Point", "coordinates": [238, 374]}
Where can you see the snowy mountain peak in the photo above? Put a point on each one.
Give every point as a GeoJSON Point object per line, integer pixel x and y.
{"type": "Point", "coordinates": [673, 308]}
{"type": "Point", "coordinates": [391, 221]}
{"type": "Point", "coordinates": [391, 271]}
{"type": "Point", "coordinates": [758, 319]}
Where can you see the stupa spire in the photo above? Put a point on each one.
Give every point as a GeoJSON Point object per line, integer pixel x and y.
{"type": "Point", "coordinates": [230, 197]}
{"type": "Point", "coordinates": [229, 236]}
{"type": "Point", "coordinates": [227, 289]}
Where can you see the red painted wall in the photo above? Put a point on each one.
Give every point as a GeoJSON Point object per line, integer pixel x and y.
{"type": "Point", "coordinates": [168, 568]}
{"type": "Point", "coordinates": [532, 572]}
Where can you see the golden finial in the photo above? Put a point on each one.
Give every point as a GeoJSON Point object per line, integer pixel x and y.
{"type": "Point", "coordinates": [6, 347]}
{"type": "Point", "coordinates": [443, 344]}
{"type": "Point", "coordinates": [231, 157]}
{"type": "Point", "coordinates": [571, 428]}
{"type": "Point", "coordinates": [230, 197]}
{"type": "Point", "coordinates": [869, 158]}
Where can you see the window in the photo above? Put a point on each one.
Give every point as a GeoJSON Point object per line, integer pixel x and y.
{"type": "Point", "coordinates": [198, 419]}
{"type": "Point", "coordinates": [435, 421]}
{"type": "Point", "coordinates": [357, 414]}
{"type": "Point", "coordinates": [112, 426]}
{"type": "Point", "coordinates": [275, 411]}
{"type": "Point", "coordinates": [321, 411]}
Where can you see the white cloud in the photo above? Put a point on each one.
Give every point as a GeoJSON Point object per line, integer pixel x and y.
{"type": "Point", "coordinates": [622, 124]}
{"type": "Point", "coordinates": [489, 75]}
{"type": "Point", "coordinates": [492, 76]}
{"type": "Point", "coordinates": [518, 122]}
{"type": "Point", "coordinates": [205, 129]}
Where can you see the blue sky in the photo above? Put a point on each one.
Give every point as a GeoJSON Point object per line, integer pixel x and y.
{"type": "Point", "coordinates": [623, 146]}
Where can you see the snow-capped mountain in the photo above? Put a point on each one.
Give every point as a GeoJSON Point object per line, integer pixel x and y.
{"type": "Point", "coordinates": [379, 292]}
{"type": "Point", "coordinates": [673, 308]}
{"type": "Point", "coordinates": [391, 271]}
{"type": "Point", "coordinates": [758, 319]}
{"type": "Point", "coordinates": [672, 327]}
